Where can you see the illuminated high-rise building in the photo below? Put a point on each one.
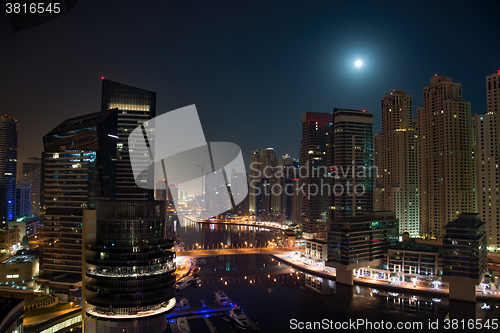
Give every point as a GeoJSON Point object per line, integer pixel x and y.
{"type": "Point", "coordinates": [487, 157]}
{"type": "Point", "coordinates": [262, 168]}
{"type": "Point", "coordinates": [254, 181]}
{"type": "Point", "coordinates": [128, 265]}
{"type": "Point", "coordinates": [350, 158]}
{"type": "Point", "coordinates": [8, 159]}
{"type": "Point", "coordinates": [396, 160]}
{"type": "Point", "coordinates": [29, 170]}
{"type": "Point", "coordinates": [135, 106]}
{"type": "Point", "coordinates": [289, 169]}
{"type": "Point", "coordinates": [316, 128]}
{"type": "Point", "coordinates": [445, 156]}
{"type": "Point", "coordinates": [78, 166]}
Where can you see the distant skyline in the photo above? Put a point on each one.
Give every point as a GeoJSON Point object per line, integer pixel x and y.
{"type": "Point", "coordinates": [251, 68]}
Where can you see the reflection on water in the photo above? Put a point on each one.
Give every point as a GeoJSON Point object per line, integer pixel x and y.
{"type": "Point", "coordinates": [212, 235]}
{"type": "Point", "coordinates": [272, 294]}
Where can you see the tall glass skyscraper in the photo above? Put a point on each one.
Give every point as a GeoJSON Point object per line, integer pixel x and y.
{"type": "Point", "coordinates": [78, 166]}
{"type": "Point", "coordinates": [351, 157]}
{"type": "Point", "coordinates": [129, 261]}
{"type": "Point", "coordinates": [28, 171]}
{"type": "Point", "coordinates": [316, 129]}
{"type": "Point", "coordinates": [8, 159]}
{"type": "Point", "coordinates": [135, 106]}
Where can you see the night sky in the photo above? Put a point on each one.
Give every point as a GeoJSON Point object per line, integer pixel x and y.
{"type": "Point", "coordinates": [251, 67]}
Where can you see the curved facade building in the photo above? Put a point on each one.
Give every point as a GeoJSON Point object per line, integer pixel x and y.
{"type": "Point", "coordinates": [129, 261]}
{"type": "Point", "coordinates": [8, 168]}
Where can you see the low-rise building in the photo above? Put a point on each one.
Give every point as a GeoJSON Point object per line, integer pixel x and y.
{"type": "Point", "coordinates": [412, 258]}
{"type": "Point", "coordinates": [464, 256]}
{"type": "Point", "coordinates": [20, 269]}
{"type": "Point", "coordinates": [316, 250]}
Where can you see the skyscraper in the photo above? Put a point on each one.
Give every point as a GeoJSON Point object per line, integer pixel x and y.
{"type": "Point", "coordinates": [23, 202]}
{"type": "Point", "coordinates": [78, 167]}
{"type": "Point", "coordinates": [8, 159]}
{"type": "Point", "coordinates": [271, 202]}
{"type": "Point", "coordinates": [254, 191]}
{"type": "Point", "coordinates": [356, 236]}
{"type": "Point", "coordinates": [487, 157]}
{"type": "Point", "coordinates": [261, 179]}
{"type": "Point", "coordinates": [445, 161]}
{"type": "Point", "coordinates": [350, 158]}
{"type": "Point", "coordinates": [316, 128]}
{"type": "Point", "coordinates": [128, 281]}
{"type": "Point", "coordinates": [289, 172]}
{"type": "Point", "coordinates": [135, 106]}
{"type": "Point", "coordinates": [29, 170]}
{"type": "Point", "coordinates": [396, 160]}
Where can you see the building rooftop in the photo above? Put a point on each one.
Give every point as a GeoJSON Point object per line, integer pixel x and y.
{"type": "Point", "coordinates": [419, 247]}
{"type": "Point", "coordinates": [21, 257]}
{"type": "Point", "coordinates": [466, 221]}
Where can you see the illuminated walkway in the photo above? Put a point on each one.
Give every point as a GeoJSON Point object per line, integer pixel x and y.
{"type": "Point", "coordinates": [372, 282]}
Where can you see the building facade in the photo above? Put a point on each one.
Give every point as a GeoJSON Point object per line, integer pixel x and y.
{"type": "Point", "coordinates": [351, 170]}
{"type": "Point", "coordinates": [288, 170]}
{"type": "Point", "coordinates": [8, 165]}
{"type": "Point", "coordinates": [464, 256]}
{"type": "Point", "coordinates": [23, 199]}
{"type": "Point", "coordinates": [263, 202]}
{"type": "Point", "coordinates": [487, 157]}
{"type": "Point", "coordinates": [135, 106]}
{"type": "Point", "coordinates": [445, 156]}
{"type": "Point", "coordinates": [29, 171]}
{"type": "Point", "coordinates": [396, 155]}
{"type": "Point", "coordinates": [316, 128]}
{"type": "Point", "coordinates": [129, 261]}
{"type": "Point", "coordinates": [78, 167]}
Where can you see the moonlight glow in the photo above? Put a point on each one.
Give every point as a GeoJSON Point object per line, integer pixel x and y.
{"type": "Point", "coordinates": [358, 63]}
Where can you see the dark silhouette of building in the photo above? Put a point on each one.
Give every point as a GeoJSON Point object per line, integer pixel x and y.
{"type": "Point", "coordinates": [316, 128]}
{"type": "Point", "coordinates": [464, 256]}
{"type": "Point", "coordinates": [135, 106]}
{"type": "Point", "coordinates": [128, 281]}
{"type": "Point", "coordinates": [8, 157]}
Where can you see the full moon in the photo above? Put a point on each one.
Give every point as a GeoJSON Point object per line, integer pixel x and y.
{"type": "Point", "coordinates": [358, 63]}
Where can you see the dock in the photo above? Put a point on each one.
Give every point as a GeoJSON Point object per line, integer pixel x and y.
{"type": "Point", "coordinates": [205, 312]}
{"type": "Point", "coordinates": [212, 311]}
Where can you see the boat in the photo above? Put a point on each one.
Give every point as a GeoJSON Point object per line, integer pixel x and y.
{"type": "Point", "coordinates": [239, 318]}
{"type": "Point", "coordinates": [182, 325]}
{"type": "Point", "coordinates": [184, 282]}
{"type": "Point", "coordinates": [184, 303]}
{"type": "Point", "coordinates": [197, 282]}
{"type": "Point", "coordinates": [221, 297]}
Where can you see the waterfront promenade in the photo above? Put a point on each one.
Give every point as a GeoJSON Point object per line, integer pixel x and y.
{"type": "Point", "coordinates": [296, 263]}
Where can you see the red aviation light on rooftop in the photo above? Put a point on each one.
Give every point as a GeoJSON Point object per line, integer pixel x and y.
{"type": "Point", "coordinates": [363, 110]}
{"type": "Point", "coordinates": [102, 77]}
{"type": "Point", "coordinates": [499, 72]}
{"type": "Point", "coordinates": [435, 75]}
